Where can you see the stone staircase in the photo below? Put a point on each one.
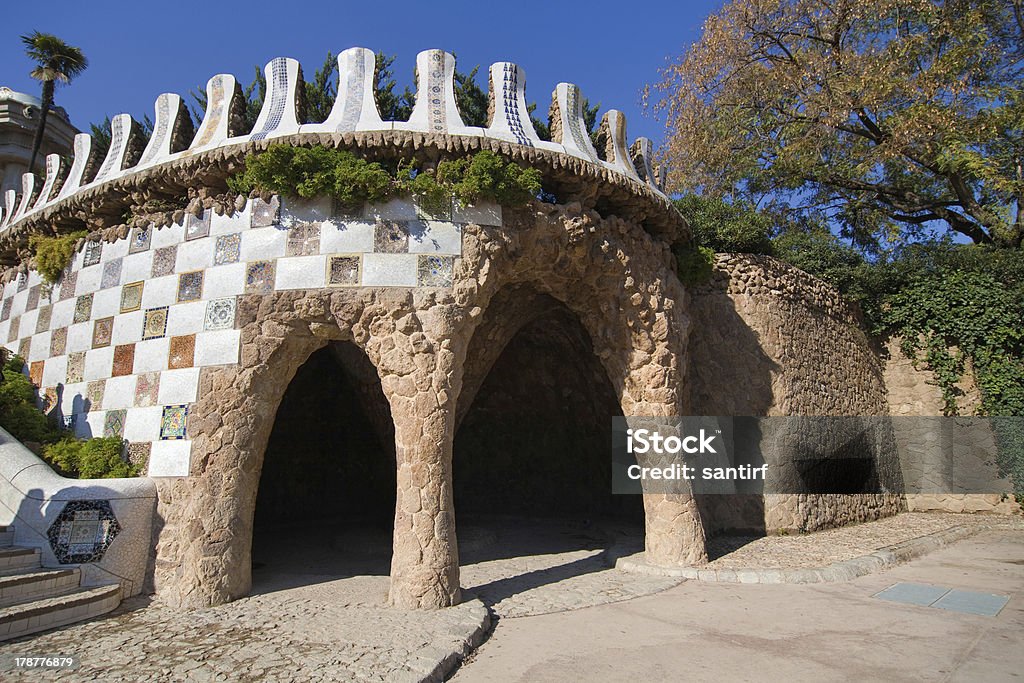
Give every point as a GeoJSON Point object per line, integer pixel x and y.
{"type": "Point", "coordinates": [34, 598]}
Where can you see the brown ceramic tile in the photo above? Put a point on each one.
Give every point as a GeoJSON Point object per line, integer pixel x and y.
{"type": "Point", "coordinates": [164, 260]}
{"type": "Point", "coordinates": [12, 333]}
{"type": "Point", "coordinates": [94, 394]}
{"type": "Point", "coordinates": [124, 360]}
{"type": "Point", "coordinates": [35, 373]}
{"type": "Point", "coordinates": [67, 285]}
{"type": "Point", "coordinates": [43, 321]}
{"type": "Point", "coordinates": [76, 367]}
{"type": "Point", "coordinates": [24, 347]}
{"type": "Point", "coordinates": [182, 352]}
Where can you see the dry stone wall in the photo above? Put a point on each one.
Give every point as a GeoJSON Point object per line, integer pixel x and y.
{"type": "Point", "coordinates": [771, 340]}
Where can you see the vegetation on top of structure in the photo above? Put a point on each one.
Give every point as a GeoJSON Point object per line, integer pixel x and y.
{"type": "Point", "coordinates": [319, 171]}
{"type": "Point", "coordinates": [97, 458]}
{"type": "Point", "coordinates": [53, 254]}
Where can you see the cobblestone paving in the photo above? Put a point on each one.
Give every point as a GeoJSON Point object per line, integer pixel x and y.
{"type": "Point", "coordinates": [822, 548]}
{"type": "Point", "coordinates": [313, 620]}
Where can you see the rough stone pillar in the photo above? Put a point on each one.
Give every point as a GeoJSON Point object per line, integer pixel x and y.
{"type": "Point", "coordinates": [675, 535]}
{"type": "Point", "coordinates": [425, 562]}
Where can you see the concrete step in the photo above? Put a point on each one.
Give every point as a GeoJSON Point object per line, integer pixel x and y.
{"type": "Point", "coordinates": [59, 610]}
{"type": "Point", "coordinates": [27, 585]}
{"type": "Point", "coordinates": [15, 559]}
{"type": "Point", "coordinates": [6, 536]}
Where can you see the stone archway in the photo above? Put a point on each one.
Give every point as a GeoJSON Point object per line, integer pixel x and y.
{"type": "Point", "coordinates": [326, 497]}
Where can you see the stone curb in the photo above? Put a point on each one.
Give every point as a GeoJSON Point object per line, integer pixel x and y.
{"type": "Point", "coordinates": [845, 570]}
{"type": "Point", "coordinates": [436, 662]}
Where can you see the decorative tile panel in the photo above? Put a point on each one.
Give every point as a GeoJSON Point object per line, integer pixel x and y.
{"type": "Point", "coordinates": [5, 313]}
{"type": "Point", "coordinates": [43, 320]}
{"type": "Point", "coordinates": [93, 252]}
{"type": "Point", "coordinates": [435, 271]}
{"type": "Point", "coordinates": [35, 372]}
{"type": "Point", "coordinates": [164, 259]}
{"type": "Point", "coordinates": [343, 270]}
{"type": "Point", "coordinates": [137, 454]}
{"type": "Point", "coordinates": [220, 314]}
{"type": "Point", "coordinates": [190, 286]}
{"type": "Point", "coordinates": [24, 347]}
{"type": "Point", "coordinates": [182, 352]}
{"type": "Point", "coordinates": [140, 239]}
{"type": "Point", "coordinates": [94, 394]}
{"type": "Point", "coordinates": [12, 333]}
{"type": "Point", "coordinates": [33, 298]}
{"type": "Point", "coordinates": [22, 282]}
{"type": "Point", "coordinates": [154, 323]}
{"type": "Point", "coordinates": [196, 227]}
{"type": "Point", "coordinates": [83, 531]}
{"type": "Point", "coordinates": [111, 274]}
{"type": "Point", "coordinates": [174, 422]}
{"type": "Point", "coordinates": [67, 285]}
{"type": "Point", "coordinates": [259, 277]}
{"type": "Point", "coordinates": [102, 331]}
{"type": "Point", "coordinates": [303, 240]}
{"type": "Point", "coordinates": [76, 367]}
{"type": "Point", "coordinates": [228, 249]}
{"type": "Point", "coordinates": [131, 297]}
{"type": "Point", "coordinates": [391, 237]}
{"type": "Point", "coordinates": [147, 387]}
{"type": "Point", "coordinates": [58, 342]}
{"type": "Point", "coordinates": [124, 360]}
{"type": "Point", "coordinates": [113, 422]}
{"type": "Point", "coordinates": [83, 308]}
{"type": "Point", "coordinates": [265, 214]}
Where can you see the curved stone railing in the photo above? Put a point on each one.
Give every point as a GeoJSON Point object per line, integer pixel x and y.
{"type": "Point", "coordinates": [354, 111]}
{"type": "Point", "coordinates": [103, 526]}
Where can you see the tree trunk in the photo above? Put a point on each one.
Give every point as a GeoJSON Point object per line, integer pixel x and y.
{"type": "Point", "coordinates": [41, 129]}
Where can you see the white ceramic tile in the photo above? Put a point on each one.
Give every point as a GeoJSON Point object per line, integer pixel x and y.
{"type": "Point", "coordinates": [106, 302]}
{"type": "Point", "coordinates": [355, 237]}
{"type": "Point", "coordinates": [137, 266]}
{"type": "Point", "coordinates": [263, 243]}
{"type": "Point", "coordinates": [119, 392]}
{"type": "Point", "coordinates": [178, 386]}
{"type": "Point", "coordinates": [298, 210]}
{"type": "Point", "coordinates": [225, 224]}
{"type": "Point", "coordinates": [194, 255]}
{"type": "Point", "coordinates": [167, 235]}
{"type": "Point", "coordinates": [399, 209]}
{"type": "Point", "coordinates": [80, 337]}
{"type": "Point", "coordinates": [143, 424]}
{"type": "Point", "coordinates": [40, 348]}
{"type": "Point", "coordinates": [88, 279]}
{"type": "Point", "coordinates": [160, 291]}
{"type": "Point", "coordinates": [99, 363]}
{"type": "Point", "coordinates": [151, 355]}
{"type": "Point", "coordinates": [217, 348]}
{"type": "Point", "coordinates": [226, 280]}
{"type": "Point", "coordinates": [55, 371]}
{"type": "Point", "coordinates": [113, 250]}
{"type": "Point", "coordinates": [481, 213]}
{"type": "Point", "coordinates": [127, 328]}
{"type": "Point", "coordinates": [62, 314]}
{"type": "Point", "coordinates": [389, 270]}
{"type": "Point", "coordinates": [72, 398]}
{"type": "Point", "coordinates": [301, 272]}
{"type": "Point", "coordinates": [185, 318]}
{"type": "Point", "coordinates": [169, 459]}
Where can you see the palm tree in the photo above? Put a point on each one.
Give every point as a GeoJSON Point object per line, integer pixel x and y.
{"type": "Point", "coordinates": [57, 61]}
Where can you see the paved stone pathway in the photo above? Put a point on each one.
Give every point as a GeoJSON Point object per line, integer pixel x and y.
{"type": "Point", "coordinates": [313, 619]}
{"type": "Point", "coordinates": [836, 545]}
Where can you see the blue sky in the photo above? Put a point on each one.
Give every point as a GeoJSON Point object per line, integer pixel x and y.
{"type": "Point", "coordinates": [137, 51]}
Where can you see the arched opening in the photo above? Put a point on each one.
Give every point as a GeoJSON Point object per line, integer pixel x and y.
{"type": "Point", "coordinates": [326, 500]}
{"type": "Point", "coordinates": [532, 451]}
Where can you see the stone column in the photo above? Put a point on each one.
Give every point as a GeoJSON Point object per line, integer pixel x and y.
{"type": "Point", "coordinates": [416, 377]}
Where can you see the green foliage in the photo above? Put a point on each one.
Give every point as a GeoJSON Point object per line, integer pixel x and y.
{"type": "Point", "coordinates": [98, 458]}
{"type": "Point", "coordinates": [392, 106]}
{"type": "Point", "coordinates": [883, 115]}
{"type": "Point", "coordinates": [471, 99]}
{"type": "Point", "coordinates": [320, 91]}
{"type": "Point", "coordinates": [18, 412]}
{"type": "Point", "coordinates": [317, 171]}
{"type": "Point", "coordinates": [489, 175]}
{"type": "Point", "coordinates": [89, 458]}
{"type": "Point", "coordinates": [695, 263]}
{"type": "Point", "coordinates": [725, 226]}
{"type": "Point", "coordinates": [53, 254]}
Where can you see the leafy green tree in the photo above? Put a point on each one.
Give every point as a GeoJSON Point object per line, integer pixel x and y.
{"type": "Point", "coordinates": [101, 133]}
{"type": "Point", "coordinates": [322, 90]}
{"type": "Point", "coordinates": [56, 62]}
{"type": "Point", "coordinates": [727, 226]}
{"type": "Point", "coordinates": [392, 106]}
{"type": "Point", "coordinates": [886, 116]}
